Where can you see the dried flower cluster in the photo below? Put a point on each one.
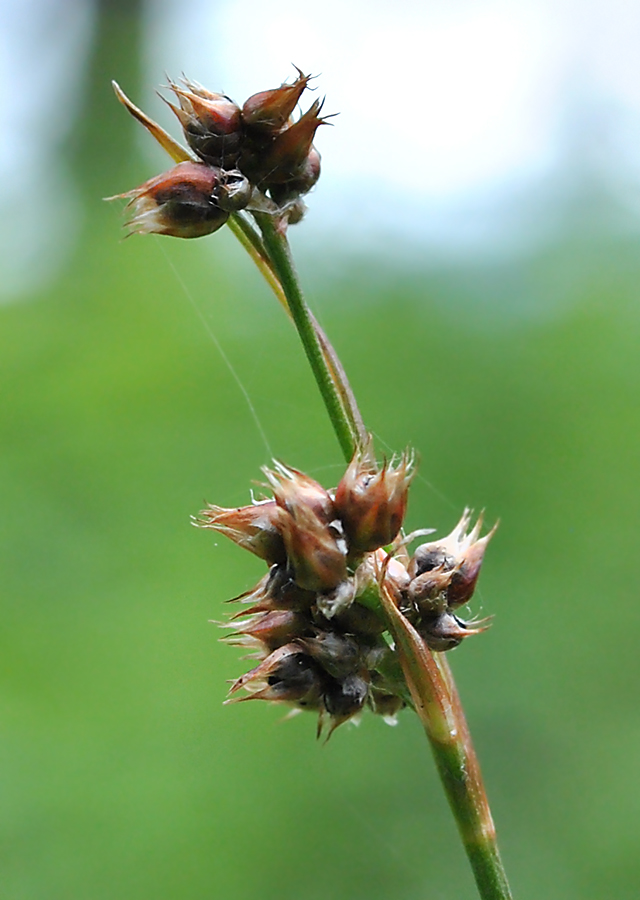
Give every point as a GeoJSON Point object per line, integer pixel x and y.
{"type": "Point", "coordinates": [314, 621]}
{"type": "Point", "coordinates": [252, 157]}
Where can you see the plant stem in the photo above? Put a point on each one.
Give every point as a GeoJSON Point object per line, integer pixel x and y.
{"type": "Point", "coordinates": [428, 675]}
{"type": "Point", "coordinates": [250, 240]}
{"type": "Point", "coordinates": [277, 248]}
{"type": "Point", "coordinates": [252, 243]}
{"type": "Point", "coordinates": [437, 703]}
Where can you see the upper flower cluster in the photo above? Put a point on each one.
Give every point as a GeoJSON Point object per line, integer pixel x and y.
{"type": "Point", "coordinates": [251, 157]}
{"type": "Point", "coordinates": [314, 620]}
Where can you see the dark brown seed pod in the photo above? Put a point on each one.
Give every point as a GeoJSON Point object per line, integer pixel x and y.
{"type": "Point", "coordinates": [212, 123]}
{"type": "Point", "coordinates": [267, 112]}
{"type": "Point", "coordinates": [179, 203]}
{"type": "Point", "coordinates": [257, 528]}
{"type": "Point", "coordinates": [372, 502]}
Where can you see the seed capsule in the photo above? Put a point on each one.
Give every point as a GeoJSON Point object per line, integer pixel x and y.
{"type": "Point", "coordinates": [179, 203]}
{"type": "Point", "coordinates": [286, 675]}
{"type": "Point", "coordinates": [273, 629]}
{"type": "Point", "coordinates": [286, 194]}
{"type": "Point", "coordinates": [257, 528]}
{"type": "Point", "coordinates": [268, 111]}
{"type": "Point", "coordinates": [315, 547]}
{"type": "Point", "coordinates": [212, 123]}
{"type": "Point", "coordinates": [284, 160]}
{"type": "Point", "coordinates": [446, 631]}
{"type": "Point", "coordinates": [233, 191]}
{"type": "Point", "coordinates": [371, 502]}
{"type": "Point", "coordinates": [456, 557]}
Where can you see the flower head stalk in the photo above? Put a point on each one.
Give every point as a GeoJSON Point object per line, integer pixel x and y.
{"type": "Point", "coordinates": [345, 619]}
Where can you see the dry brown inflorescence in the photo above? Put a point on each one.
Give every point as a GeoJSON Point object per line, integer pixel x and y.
{"type": "Point", "coordinates": [314, 621]}
{"type": "Point", "coordinates": [254, 157]}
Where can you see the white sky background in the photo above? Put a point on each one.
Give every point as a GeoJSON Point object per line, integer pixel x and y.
{"type": "Point", "coordinates": [461, 123]}
{"type": "Point", "coordinates": [43, 48]}
{"type": "Point", "coordinates": [453, 114]}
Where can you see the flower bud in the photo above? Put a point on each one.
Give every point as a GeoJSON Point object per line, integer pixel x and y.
{"type": "Point", "coordinates": [456, 557]}
{"type": "Point", "coordinates": [446, 631]}
{"type": "Point", "coordinates": [179, 203]}
{"type": "Point", "coordinates": [287, 675]}
{"type": "Point", "coordinates": [268, 111]}
{"type": "Point", "coordinates": [276, 590]}
{"type": "Point", "coordinates": [233, 191]}
{"type": "Point", "coordinates": [256, 528]}
{"type": "Point", "coordinates": [429, 590]}
{"type": "Point", "coordinates": [212, 123]}
{"type": "Point", "coordinates": [290, 191]}
{"type": "Point", "coordinates": [313, 540]}
{"type": "Point", "coordinates": [272, 629]}
{"type": "Point", "coordinates": [338, 654]}
{"type": "Point", "coordinates": [371, 503]}
{"type": "Point", "coordinates": [287, 156]}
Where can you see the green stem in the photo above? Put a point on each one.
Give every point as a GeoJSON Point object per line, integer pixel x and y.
{"type": "Point", "coordinates": [437, 703]}
{"type": "Point", "coordinates": [277, 248]}
{"type": "Point", "coordinates": [252, 243]}
{"type": "Point", "coordinates": [460, 766]}
{"type": "Point", "coordinates": [428, 676]}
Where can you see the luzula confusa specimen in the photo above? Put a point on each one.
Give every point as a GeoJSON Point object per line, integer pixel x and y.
{"type": "Point", "coordinates": [314, 622]}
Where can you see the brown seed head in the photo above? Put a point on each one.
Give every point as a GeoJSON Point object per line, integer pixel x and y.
{"type": "Point", "coordinates": [273, 629]}
{"type": "Point", "coordinates": [446, 631]}
{"type": "Point", "coordinates": [372, 503]}
{"type": "Point", "coordinates": [287, 675]}
{"type": "Point", "coordinates": [233, 191]}
{"type": "Point", "coordinates": [288, 196]}
{"type": "Point", "coordinates": [338, 654]}
{"type": "Point", "coordinates": [212, 123]}
{"type": "Point", "coordinates": [291, 488]}
{"type": "Point", "coordinates": [429, 591]}
{"type": "Point", "coordinates": [179, 202]}
{"type": "Point", "coordinates": [269, 111]}
{"type": "Point", "coordinates": [257, 528]}
{"type": "Point", "coordinates": [276, 590]}
{"type": "Point", "coordinates": [459, 554]}
{"type": "Point", "coordinates": [287, 156]}
{"type": "Point", "coordinates": [343, 699]}
{"type": "Point", "coordinates": [314, 545]}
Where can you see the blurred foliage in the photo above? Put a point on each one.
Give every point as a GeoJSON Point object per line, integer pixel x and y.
{"type": "Point", "coordinates": [123, 776]}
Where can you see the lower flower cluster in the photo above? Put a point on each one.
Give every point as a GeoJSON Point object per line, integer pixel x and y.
{"type": "Point", "coordinates": [314, 621]}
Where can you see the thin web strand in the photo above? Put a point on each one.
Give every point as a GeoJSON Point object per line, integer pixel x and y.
{"type": "Point", "coordinates": [223, 355]}
{"type": "Point", "coordinates": [434, 490]}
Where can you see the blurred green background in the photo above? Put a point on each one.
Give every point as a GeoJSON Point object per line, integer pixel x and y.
{"type": "Point", "coordinates": [122, 774]}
